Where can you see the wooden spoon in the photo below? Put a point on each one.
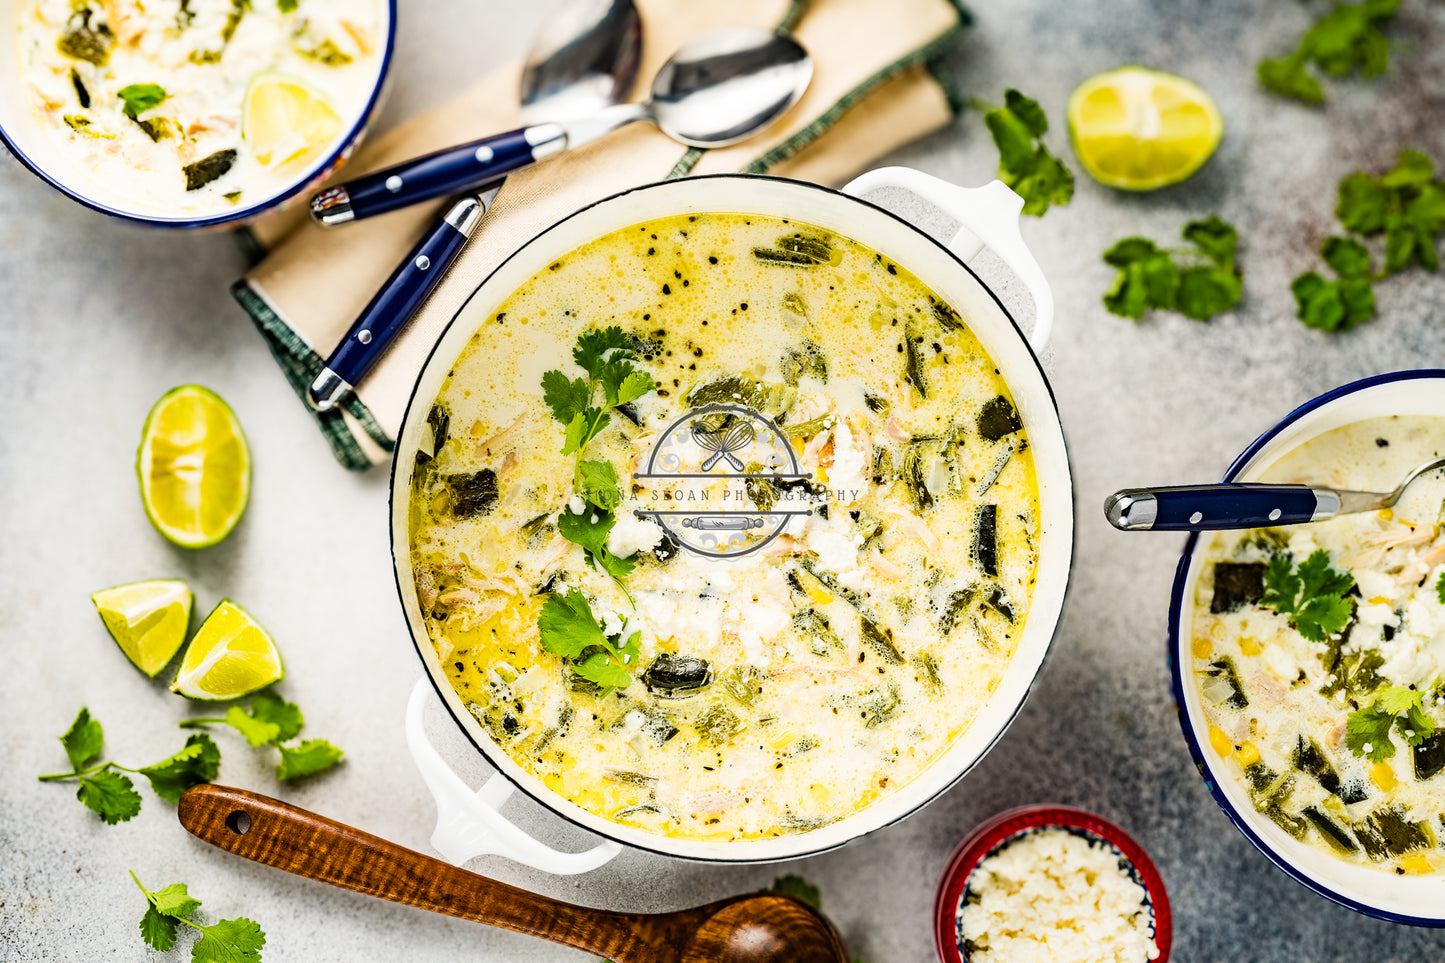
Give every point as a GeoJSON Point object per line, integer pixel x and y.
{"type": "Point", "coordinates": [757, 928]}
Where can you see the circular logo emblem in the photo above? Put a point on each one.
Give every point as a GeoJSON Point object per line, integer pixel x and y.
{"type": "Point", "coordinates": [723, 480]}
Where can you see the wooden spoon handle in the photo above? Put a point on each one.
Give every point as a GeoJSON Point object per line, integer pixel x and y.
{"type": "Point", "coordinates": [269, 831]}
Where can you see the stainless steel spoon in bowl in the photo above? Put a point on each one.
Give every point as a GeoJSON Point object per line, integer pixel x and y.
{"type": "Point", "coordinates": [716, 90]}
{"type": "Point", "coordinates": [1209, 508]}
{"type": "Point", "coordinates": [584, 61]}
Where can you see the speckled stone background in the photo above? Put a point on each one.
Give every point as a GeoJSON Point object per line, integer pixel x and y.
{"type": "Point", "coordinates": [98, 319]}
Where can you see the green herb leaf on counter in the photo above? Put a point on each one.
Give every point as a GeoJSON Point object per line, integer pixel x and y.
{"type": "Point", "coordinates": [1337, 305]}
{"type": "Point", "coordinates": [569, 629]}
{"type": "Point", "coordinates": [228, 941]}
{"type": "Point", "coordinates": [197, 762]}
{"type": "Point", "coordinates": [1406, 204]}
{"type": "Point", "coordinates": [306, 758]}
{"type": "Point", "coordinates": [109, 795]}
{"type": "Point", "coordinates": [139, 98]}
{"type": "Point", "coordinates": [1149, 277]}
{"type": "Point", "coordinates": [1313, 595]}
{"type": "Point", "coordinates": [83, 740]}
{"type": "Point", "coordinates": [1025, 163]}
{"type": "Point", "coordinates": [1343, 40]}
{"type": "Point", "coordinates": [797, 886]}
{"type": "Point", "coordinates": [1367, 729]}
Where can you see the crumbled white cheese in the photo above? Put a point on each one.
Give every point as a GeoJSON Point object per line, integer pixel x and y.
{"type": "Point", "coordinates": [576, 505]}
{"type": "Point", "coordinates": [633, 533]}
{"type": "Point", "coordinates": [1054, 896]}
{"type": "Point", "coordinates": [611, 623]}
{"type": "Point", "coordinates": [850, 462]}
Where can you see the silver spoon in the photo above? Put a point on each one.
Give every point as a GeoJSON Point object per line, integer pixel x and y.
{"type": "Point", "coordinates": [1208, 508]}
{"type": "Point", "coordinates": [584, 61]}
{"type": "Point", "coordinates": [716, 90]}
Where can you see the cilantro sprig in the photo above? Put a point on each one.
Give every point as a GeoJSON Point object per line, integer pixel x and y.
{"type": "Point", "coordinates": [1440, 588]}
{"type": "Point", "coordinates": [799, 888]}
{"type": "Point", "coordinates": [228, 941]}
{"type": "Point", "coordinates": [1346, 39]}
{"type": "Point", "coordinates": [111, 795]}
{"type": "Point", "coordinates": [607, 355]}
{"type": "Point", "coordinates": [272, 721]}
{"type": "Point", "coordinates": [136, 99]}
{"type": "Point", "coordinates": [1206, 283]}
{"type": "Point", "coordinates": [1405, 205]}
{"type": "Point", "coordinates": [1312, 595]}
{"type": "Point", "coordinates": [570, 630]}
{"type": "Point", "coordinates": [1367, 729]}
{"type": "Point", "coordinates": [1025, 163]}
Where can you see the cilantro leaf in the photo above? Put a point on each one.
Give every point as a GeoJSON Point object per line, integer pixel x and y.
{"type": "Point", "coordinates": [140, 98]}
{"type": "Point", "coordinates": [270, 719]}
{"type": "Point", "coordinates": [797, 886]}
{"type": "Point", "coordinates": [1406, 204]}
{"type": "Point", "coordinates": [1414, 725]}
{"type": "Point", "coordinates": [591, 352]}
{"type": "Point", "coordinates": [158, 931]}
{"type": "Point", "coordinates": [1370, 727]}
{"type": "Point", "coordinates": [616, 566]}
{"type": "Point", "coordinates": [1025, 164]}
{"type": "Point", "coordinates": [1440, 588]}
{"type": "Point", "coordinates": [197, 762]}
{"type": "Point", "coordinates": [306, 758]}
{"type": "Point", "coordinates": [83, 740]}
{"type": "Point", "coordinates": [605, 669]}
{"type": "Point", "coordinates": [567, 397]}
{"type": "Point", "coordinates": [1337, 305]}
{"type": "Point", "coordinates": [585, 426]}
{"type": "Point", "coordinates": [634, 386]}
{"type": "Point", "coordinates": [1313, 596]}
{"type": "Point", "coordinates": [110, 795]}
{"type": "Point", "coordinates": [589, 529]}
{"type": "Point", "coordinates": [229, 941]}
{"type": "Point", "coordinates": [567, 625]}
{"type": "Point", "coordinates": [1149, 277]}
{"type": "Point", "coordinates": [287, 6]}
{"type": "Point", "coordinates": [596, 482]}
{"type": "Point", "coordinates": [173, 900]}
{"type": "Point", "coordinates": [1344, 40]}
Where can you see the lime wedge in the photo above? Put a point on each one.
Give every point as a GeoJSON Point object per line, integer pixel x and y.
{"type": "Point", "coordinates": [1141, 129]}
{"type": "Point", "coordinates": [230, 656]}
{"type": "Point", "coordinates": [194, 467]}
{"type": "Point", "coordinates": [148, 620]}
{"type": "Point", "coordinates": [285, 120]}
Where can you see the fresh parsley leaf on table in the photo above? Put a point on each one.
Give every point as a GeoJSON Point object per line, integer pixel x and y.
{"type": "Point", "coordinates": [274, 721]}
{"type": "Point", "coordinates": [1024, 162]}
{"type": "Point", "coordinates": [228, 941]}
{"type": "Point", "coordinates": [569, 629]}
{"type": "Point", "coordinates": [1149, 277]}
{"type": "Point", "coordinates": [112, 796]}
{"type": "Point", "coordinates": [1342, 304]}
{"type": "Point", "coordinates": [1343, 40]}
{"type": "Point", "coordinates": [1313, 595]}
{"type": "Point", "coordinates": [1367, 729]}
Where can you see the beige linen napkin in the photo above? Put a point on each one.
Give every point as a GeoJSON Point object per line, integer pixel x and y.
{"type": "Point", "coordinates": [875, 87]}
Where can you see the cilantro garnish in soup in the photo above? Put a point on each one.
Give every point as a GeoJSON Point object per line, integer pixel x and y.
{"type": "Point", "coordinates": [724, 527]}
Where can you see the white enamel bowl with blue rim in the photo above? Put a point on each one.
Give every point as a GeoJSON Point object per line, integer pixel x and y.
{"type": "Point", "coordinates": [990, 214]}
{"type": "Point", "coordinates": [1416, 900]}
{"type": "Point", "coordinates": [25, 139]}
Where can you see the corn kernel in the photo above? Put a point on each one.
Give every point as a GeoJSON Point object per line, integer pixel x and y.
{"type": "Point", "coordinates": [1386, 514]}
{"type": "Point", "coordinates": [1203, 647]}
{"type": "Point", "coordinates": [1217, 630]}
{"type": "Point", "coordinates": [1383, 776]}
{"type": "Point", "coordinates": [1249, 645]}
{"type": "Point", "coordinates": [1379, 600]}
{"type": "Point", "coordinates": [1247, 754]}
{"type": "Point", "coordinates": [1416, 864]}
{"type": "Point", "coordinates": [1221, 742]}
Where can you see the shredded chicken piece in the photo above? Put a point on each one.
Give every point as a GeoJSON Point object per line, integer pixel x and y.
{"type": "Point", "coordinates": [911, 524]}
{"type": "Point", "coordinates": [505, 439]}
{"type": "Point", "coordinates": [896, 431]}
{"type": "Point", "coordinates": [884, 567]}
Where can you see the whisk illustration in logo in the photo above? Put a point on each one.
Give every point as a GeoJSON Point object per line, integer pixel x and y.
{"type": "Point", "coordinates": [723, 480]}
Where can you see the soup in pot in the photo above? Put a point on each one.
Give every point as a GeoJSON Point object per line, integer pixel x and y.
{"type": "Point", "coordinates": [724, 526]}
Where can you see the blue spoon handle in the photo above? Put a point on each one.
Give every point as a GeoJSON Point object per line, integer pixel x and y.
{"type": "Point", "coordinates": [453, 170]}
{"type": "Point", "coordinates": [1205, 508]}
{"type": "Point", "coordinates": [391, 309]}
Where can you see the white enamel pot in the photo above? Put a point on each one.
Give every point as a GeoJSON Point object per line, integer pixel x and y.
{"type": "Point", "coordinates": [469, 822]}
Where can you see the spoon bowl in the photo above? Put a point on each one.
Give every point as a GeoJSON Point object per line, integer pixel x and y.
{"type": "Point", "coordinates": [583, 60]}
{"type": "Point", "coordinates": [756, 928]}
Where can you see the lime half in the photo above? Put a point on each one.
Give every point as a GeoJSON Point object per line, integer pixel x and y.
{"type": "Point", "coordinates": [148, 620]}
{"type": "Point", "coordinates": [194, 467]}
{"type": "Point", "coordinates": [1141, 129]}
{"type": "Point", "coordinates": [285, 120]}
{"type": "Point", "coordinates": [230, 656]}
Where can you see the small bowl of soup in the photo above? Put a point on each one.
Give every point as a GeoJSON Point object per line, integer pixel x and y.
{"type": "Point", "coordinates": [1308, 659]}
{"type": "Point", "coordinates": [190, 113]}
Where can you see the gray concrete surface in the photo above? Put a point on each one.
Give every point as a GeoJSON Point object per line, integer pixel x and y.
{"type": "Point", "coordinates": [97, 319]}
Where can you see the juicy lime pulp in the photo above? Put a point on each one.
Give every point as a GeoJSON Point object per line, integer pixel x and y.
{"type": "Point", "coordinates": [194, 467]}
{"type": "Point", "coordinates": [285, 120]}
{"type": "Point", "coordinates": [1142, 129]}
{"type": "Point", "coordinates": [148, 620]}
{"type": "Point", "coordinates": [230, 656]}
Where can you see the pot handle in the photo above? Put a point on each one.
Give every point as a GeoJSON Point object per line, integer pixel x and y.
{"type": "Point", "coordinates": [471, 824]}
{"type": "Point", "coordinates": [988, 217]}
